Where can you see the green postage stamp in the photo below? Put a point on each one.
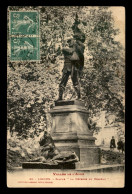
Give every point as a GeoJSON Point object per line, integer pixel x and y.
{"type": "Point", "coordinates": [24, 35]}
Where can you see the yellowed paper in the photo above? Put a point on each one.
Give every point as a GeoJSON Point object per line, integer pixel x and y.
{"type": "Point", "coordinates": [87, 135]}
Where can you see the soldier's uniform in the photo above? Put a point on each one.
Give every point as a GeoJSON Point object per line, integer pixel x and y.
{"type": "Point", "coordinates": [72, 68]}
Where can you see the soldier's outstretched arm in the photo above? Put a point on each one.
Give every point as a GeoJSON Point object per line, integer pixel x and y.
{"type": "Point", "coordinates": [67, 50]}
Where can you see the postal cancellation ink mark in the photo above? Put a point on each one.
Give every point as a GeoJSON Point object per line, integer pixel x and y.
{"type": "Point", "coordinates": [24, 36]}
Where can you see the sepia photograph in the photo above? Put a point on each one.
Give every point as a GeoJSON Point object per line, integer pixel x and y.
{"type": "Point", "coordinates": [65, 97]}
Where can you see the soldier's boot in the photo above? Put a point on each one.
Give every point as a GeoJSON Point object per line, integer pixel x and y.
{"type": "Point", "coordinates": [77, 89]}
{"type": "Point", "coordinates": [61, 90]}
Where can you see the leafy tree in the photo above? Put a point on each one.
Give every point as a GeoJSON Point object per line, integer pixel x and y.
{"type": "Point", "coordinates": [105, 76]}
{"type": "Point", "coordinates": [33, 86]}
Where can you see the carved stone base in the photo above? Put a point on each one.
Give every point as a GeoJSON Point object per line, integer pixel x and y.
{"type": "Point", "coordinates": [70, 132]}
{"type": "Point", "coordinates": [40, 165]}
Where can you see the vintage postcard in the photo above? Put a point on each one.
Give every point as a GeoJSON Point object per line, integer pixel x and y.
{"type": "Point", "coordinates": [66, 96]}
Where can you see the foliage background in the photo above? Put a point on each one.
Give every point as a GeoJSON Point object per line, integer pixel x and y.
{"type": "Point", "coordinates": [32, 87]}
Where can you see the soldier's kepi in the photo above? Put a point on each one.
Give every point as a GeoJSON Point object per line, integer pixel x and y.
{"type": "Point", "coordinates": [73, 63]}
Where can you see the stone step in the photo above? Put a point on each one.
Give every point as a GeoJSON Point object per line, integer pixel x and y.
{"type": "Point", "coordinates": [94, 168]}
{"type": "Point", "coordinates": [40, 165]}
{"type": "Point", "coordinates": [104, 168]}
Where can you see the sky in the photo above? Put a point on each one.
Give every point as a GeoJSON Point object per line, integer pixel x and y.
{"type": "Point", "coordinates": [119, 17]}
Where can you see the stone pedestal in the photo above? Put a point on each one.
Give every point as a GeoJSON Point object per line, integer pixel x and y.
{"type": "Point", "coordinates": [70, 132]}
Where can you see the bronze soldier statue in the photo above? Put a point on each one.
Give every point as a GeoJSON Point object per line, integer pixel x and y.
{"type": "Point", "coordinates": [73, 60]}
{"type": "Point", "coordinates": [73, 64]}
